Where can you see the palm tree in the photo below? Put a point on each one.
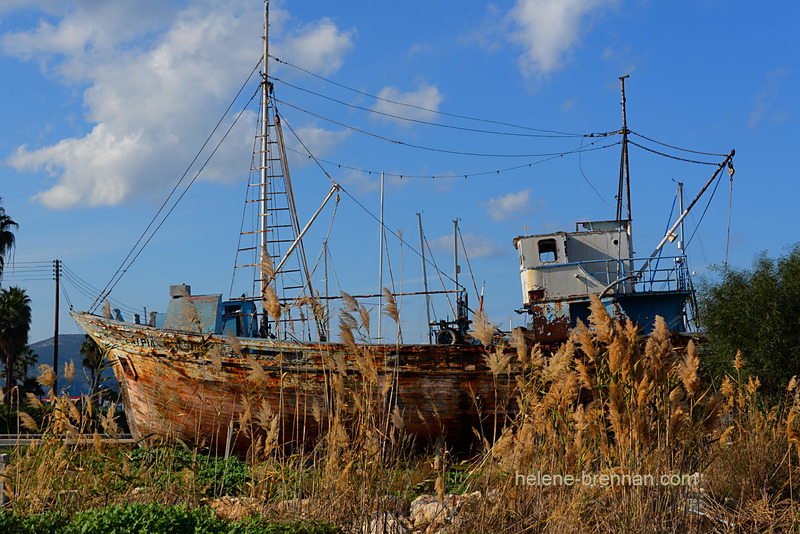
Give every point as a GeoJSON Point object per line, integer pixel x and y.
{"type": "Point", "coordinates": [15, 322]}
{"type": "Point", "coordinates": [92, 361]}
{"type": "Point", "coordinates": [25, 361]}
{"type": "Point", "coordinates": [6, 236]}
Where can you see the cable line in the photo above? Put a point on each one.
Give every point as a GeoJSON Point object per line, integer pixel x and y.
{"type": "Point", "coordinates": [465, 117]}
{"type": "Point", "coordinates": [429, 123]}
{"type": "Point", "coordinates": [713, 164]}
{"type": "Point", "coordinates": [465, 175]}
{"type": "Point", "coordinates": [412, 145]}
{"type": "Point", "coordinates": [677, 147]}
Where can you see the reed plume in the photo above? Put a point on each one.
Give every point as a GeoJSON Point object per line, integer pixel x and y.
{"type": "Point", "coordinates": [272, 304]}
{"type": "Point", "coordinates": [688, 369]}
{"type": "Point", "coordinates": [47, 376]}
{"type": "Point", "coordinates": [482, 330]}
{"type": "Point", "coordinates": [265, 266]}
{"type": "Point", "coordinates": [390, 308]}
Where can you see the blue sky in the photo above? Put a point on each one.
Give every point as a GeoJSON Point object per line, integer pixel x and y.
{"type": "Point", "coordinates": [104, 105]}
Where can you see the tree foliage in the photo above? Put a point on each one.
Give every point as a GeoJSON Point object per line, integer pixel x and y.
{"type": "Point", "coordinates": [6, 237]}
{"type": "Point", "coordinates": [15, 322]}
{"type": "Point", "coordinates": [756, 311]}
{"type": "Point", "coordinates": [92, 362]}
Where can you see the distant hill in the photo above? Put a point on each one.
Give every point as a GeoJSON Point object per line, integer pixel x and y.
{"type": "Point", "coordinates": [69, 347]}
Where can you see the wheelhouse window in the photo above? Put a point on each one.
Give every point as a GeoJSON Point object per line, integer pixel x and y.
{"type": "Point", "coordinates": [547, 251]}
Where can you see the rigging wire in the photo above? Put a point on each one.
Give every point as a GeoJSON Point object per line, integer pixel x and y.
{"type": "Point", "coordinates": [469, 265]}
{"type": "Point", "coordinates": [728, 239]}
{"type": "Point", "coordinates": [658, 259]}
{"type": "Point", "coordinates": [677, 147]}
{"type": "Point", "coordinates": [580, 166]}
{"type": "Point", "coordinates": [175, 204]}
{"type": "Point", "coordinates": [253, 165]}
{"type": "Point", "coordinates": [412, 145]}
{"type": "Point", "coordinates": [465, 175]}
{"type": "Point", "coordinates": [413, 106]}
{"type": "Point", "coordinates": [704, 211]}
{"type": "Point", "coordinates": [120, 272]}
{"type": "Point", "coordinates": [439, 274]}
{"type": "Point", "coordinates": [342, 189]}
{"type": "Point", "coordinates": [439, 125]}
{"type": "Point", "coordinates": [663, 154]}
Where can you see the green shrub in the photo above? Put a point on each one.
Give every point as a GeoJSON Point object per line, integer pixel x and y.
{"type": "Point", "coordinates": [150, 519]}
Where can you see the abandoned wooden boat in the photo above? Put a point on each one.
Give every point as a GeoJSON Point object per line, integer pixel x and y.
{"type": "Point", "coordinates": [222, 372]}
{"type": "Point", "coordinates": [194, 386]}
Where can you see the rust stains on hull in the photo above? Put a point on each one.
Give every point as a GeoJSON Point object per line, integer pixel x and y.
{"type": "Point", "coordinates": [192, 387]}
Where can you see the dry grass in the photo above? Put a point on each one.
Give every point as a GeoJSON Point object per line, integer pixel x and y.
{"type": "Point", "coordinates": [609, 402]}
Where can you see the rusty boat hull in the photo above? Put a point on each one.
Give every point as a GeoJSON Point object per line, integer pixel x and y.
{"type": "Point", "coordinates": [196, 387]}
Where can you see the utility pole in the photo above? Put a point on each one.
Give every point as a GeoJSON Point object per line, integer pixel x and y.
{"type": "Point", "coordinates": [57, 272]}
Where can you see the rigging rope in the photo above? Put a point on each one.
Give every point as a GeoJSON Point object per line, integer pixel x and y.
{"type": "Point", "coordinates": [465, 117]}
{"type": "Point", "coordinates": [465, 175]}
{"type": "Point", "coordinates": [697, 162]}
{"type": "Point", "coordinates": [439, 125]}
{"type": "Point", "coordinates": [412, 145]}
{"type": "Point", "coordinates": [677, 147]}
{"type": "Point", "coordinates": [107, 290]}
{"type": "Point", "coordinates": [728, 240]}
{"type": "Point", "coordinates": [704, 212]}
{"type": "Point", "coordinates": [469, 266]}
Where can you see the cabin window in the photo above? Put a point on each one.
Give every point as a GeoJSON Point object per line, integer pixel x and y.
{"type": "Point", "coordinates": [547, 251]}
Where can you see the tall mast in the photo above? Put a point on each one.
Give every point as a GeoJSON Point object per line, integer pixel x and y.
{"type": "Point", "coordinates": [455, 256]}
{"type": "Point", "coordinates": [380, 267]}
{"type": "Point", "coordinates": [425, 279]}
{"type": "Point", "coordinates": [262, 220]}
{"type": "Point", "coordinates": [680, 208]}
{"type": "Point", "coordinates": [624, 171]}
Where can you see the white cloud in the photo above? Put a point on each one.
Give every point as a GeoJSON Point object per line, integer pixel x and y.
{"type": "Point", "coordinates": [360, 182]}
{"type": "Point", "coordinates": [420, 48]}
{"type": "Point", "coordinates": [509, 206]}
{"type": "Point", "coordinates": [425, 96]}
{"type": "Point", "coordinates": [154, 92]}
{"type": "Point", "coordinates": [318, 46]}
{"type": "Point", "coordinates": [477, 245]}
{"type": "Point", "coordinates": [318, 141]}
{"type": "Point", "coordinates": [766, 97]}
{"type": "Point", "coordinates": [550, 29]}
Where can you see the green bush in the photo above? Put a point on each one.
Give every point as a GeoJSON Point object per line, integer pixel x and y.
{"type": "Point", "coordinates": [150, 519]}
{"type": "Point", "coordinates": [216, 476]}
{"type": "Point", "coordinates": [756, 311]}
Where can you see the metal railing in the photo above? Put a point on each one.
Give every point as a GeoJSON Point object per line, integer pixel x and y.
{"type": "Point", "coordinates": [664, 273]}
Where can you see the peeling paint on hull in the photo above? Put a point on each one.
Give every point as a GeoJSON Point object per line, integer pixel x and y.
{"type": "Point", "coordinates": [173, 386]}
